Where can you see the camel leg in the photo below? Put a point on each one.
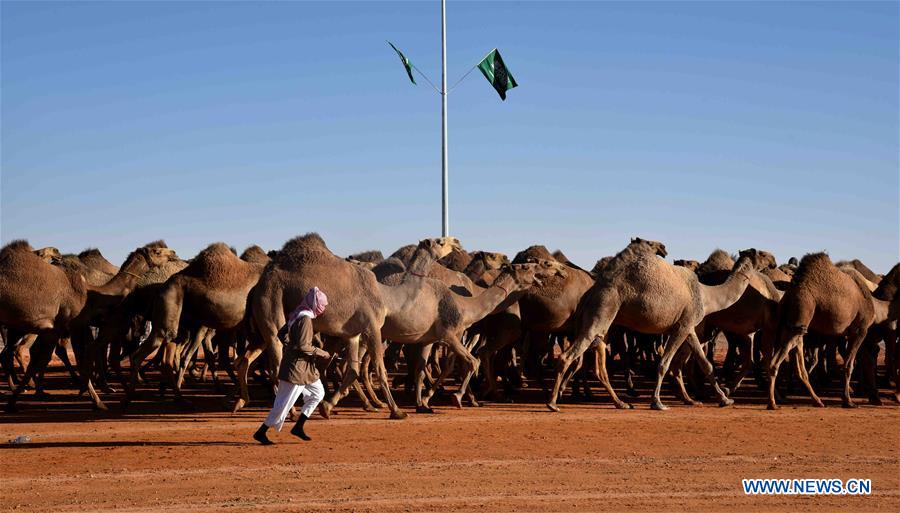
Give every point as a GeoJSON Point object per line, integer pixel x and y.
{"type": "Point", "coordinates": [669, 352]}
{"type": "Point", "coordinates": [776, 360]}
{"type": "Point", "coordinates": [61, 351]}
{"type": "Point", "coordinates": [455, 343]}
{"type": "Point", "coordinates": [486, 357]}
{"type": "Point", "coordinates": [676, 370]}
{"type": "Point", "coordinates": [372, 398]}
{"type": "Point", "coordinates": [366, 367]}
{"type": "Point", "coordinates": [707, 368]}
{"type": "Point", "coordinates": [420, 364]}
{"type": "Point", "coordinates": [854, 341]}
{"type": "Point", "coordinates": [350, 375]}
{"type": "Point", "coordinates": [746, 365]}
{"type": "Point", "coordinates": [42, 353]}
{"type": "Point", "coordinates": [187, 355]}
{"type": "Point", "coordinates": [377, 350]}
{"type": "Point", "coordinates": [868, 360]}
{"type": "Point", "coordinates": [86, 365]}
{"type": "Point", "coordinates": [572, 353]}
{"type": "Point", "coordinates": [603, 376]}
{"type": "Point", "coordinates": [800, 364]}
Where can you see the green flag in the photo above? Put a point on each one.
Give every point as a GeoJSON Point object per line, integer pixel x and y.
{"type": "Point", "coordinates": [405, 61]}
{"type": "Point", "coordinates": [496, 73]}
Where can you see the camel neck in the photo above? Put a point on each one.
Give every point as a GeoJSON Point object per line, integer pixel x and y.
{"type": "Point", "coordinates": [719, 297]}
{"type": "Point", "coordinates": [421, 263]}
{"type": "Point", "coordinates": [478, 307]}
{"type": "Point", "coordinates": [126, 279]}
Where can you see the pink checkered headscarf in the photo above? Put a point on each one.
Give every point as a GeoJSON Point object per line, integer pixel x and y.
{"type": "Point", "coordinates": [313, 305]}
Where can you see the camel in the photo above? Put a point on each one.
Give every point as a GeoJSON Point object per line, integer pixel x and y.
{"type": "Point", "coordinates": [373, 256]}
{"type": "Point", "coordinates": [887, 291]}
{"type": "Point", "coordinates": [856, 264]}
{"type": "Point", "coordinates": [825, 301]}
{"type": "Point", "coordinates": [456, 260]}
{"type": "Point", "coordinates": [646, 294]}
{"type": "Point", "coordinates": [356, 309]}
{"type": "Point", "coordinates": [693, 265]}
{"type": "Point", "coordinates": [48, 253]}
{"type": "Point", "coordinates": [482, 262]}
{"type": "Point", "coordinates": [780, 276]}
{"type": "Point", "coordinates": [423, 311]}
{"type": "Point", "coordinates": [549, 309]}
{"type": "Point", "coordinates": [38, 298]}
{"type": "Point", "coordinates": [97, 302]}
{"type": "Point", "coordinates": [211, 292]}
{"type": "Point", "coordinates": [718, 260]}
{"type": "Point", "coordinates": [97, 271]}
{"type": "Point", "coordinates": [754, 313]}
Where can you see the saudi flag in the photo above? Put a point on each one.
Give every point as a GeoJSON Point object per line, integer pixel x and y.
{"type": "Point", "coordinates": [405, 61]}
{"type": "Point", "coordinates": [496, 73]}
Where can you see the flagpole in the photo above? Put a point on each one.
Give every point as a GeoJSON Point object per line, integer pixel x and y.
{"type": "Point", "coordinates": [445, 216]}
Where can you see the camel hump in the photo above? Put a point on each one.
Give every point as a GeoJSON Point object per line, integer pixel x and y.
{"type": "Point", "coordinates": [217, 265]}
{"type": "Point", "coordinates": [456, 260]}
{"type": "Point", "coordinates": [90, 253]}
{"type": "Point", "coordinates": [536, 252]}
{"type": "Point", "coordinates": [304, 249]}
{"type": "Point", "coordinates": [255, 255]}
{"type": "Point", "coordinates": [813, 266]}
{"type": "Point", "coordinates": [718, 260]}
{"type": "Point", "coordinates": [156, 244]}
{"type": "Point", "coordinates": [372, 256]}
{"type": "Point", "coordinates": [17, 245]}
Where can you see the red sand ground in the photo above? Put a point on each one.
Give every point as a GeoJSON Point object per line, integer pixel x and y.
{"type": "Point", "coordinates": [501, 457]}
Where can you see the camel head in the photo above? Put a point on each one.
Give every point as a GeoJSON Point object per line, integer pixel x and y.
{"type": "Point", "coordinates": [438, 247]}
{"type": "Point", "coordinates": [490, 260]}
{"type": "Point", "coordinates": [653, 246]}
{"type": "Point", "coordinates": [157, 256]}
{"type": "Point", "coordinates": [48, 254]}
{"type": "Point", "coordinates": [761, 259]}
{"type": "Point", "coordinates": [690, 264]}
{"type": "Point", "coordinates": [748, 261]}
{"type": "Point", "coordinates": [525, 275]}
{"type": "Point", "coordinates": [768, 260]}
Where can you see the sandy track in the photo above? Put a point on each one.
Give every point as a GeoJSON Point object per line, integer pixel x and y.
{"type": "Point", "coordinates": [502, 457]}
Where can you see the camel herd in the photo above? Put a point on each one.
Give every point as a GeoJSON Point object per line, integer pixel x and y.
{"type": "Point", "coordinates": [476, 319]}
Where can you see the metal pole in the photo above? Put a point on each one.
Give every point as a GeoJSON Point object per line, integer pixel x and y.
{"type": "Point", "coordinates": [445, 215]}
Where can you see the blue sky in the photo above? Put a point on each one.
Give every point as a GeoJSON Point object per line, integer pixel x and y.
{"type": "Point", "coordinates": [700, 124]}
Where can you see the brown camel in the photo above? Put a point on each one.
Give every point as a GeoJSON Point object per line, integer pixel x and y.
{"type": "Point", "coordinates": [38, 298]}
{"type": "Point", "coordinates": [549, 309]}
{"type": "Point", "coordinates": [693, 265]}
{"type": "Point", "coordinates": [212, 292]}
{"type": "Point", "coordinates": [424, 311]}
{"type": "Point", "coordinates": [48, 254]}
{"type": "Point", "coordinates": [97, 302]}
{"type": "Point", "coordinates": [861, 268]}
{"type": "Point", "coordinates": [755, 312]}
{"type": "Point", "coordinates": [646, 294]}
{"type": "Point", "coordinates": [889, 291]}
{"type": "Point", "coordinates": [483, 261]}
{"type": "Point", "coordinates": [456, 260]}
{"type": "Point", "coordinates": [373, 256]}
{"type": "Point", "coordinates": [355, 308]}
{"type": "Point", "coordinates": [825, 301]}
